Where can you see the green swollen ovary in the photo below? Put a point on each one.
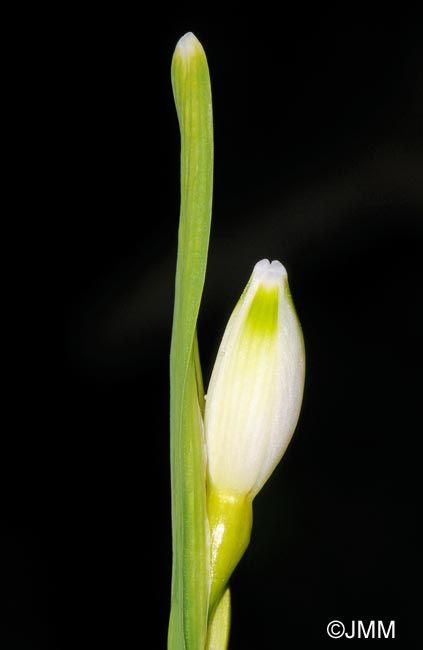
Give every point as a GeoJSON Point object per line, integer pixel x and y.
{"type": "Point", "coordinates": [230, 519]}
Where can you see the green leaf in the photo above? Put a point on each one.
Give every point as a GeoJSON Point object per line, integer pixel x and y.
{"type": "Point", "coordinates": [190, 571]}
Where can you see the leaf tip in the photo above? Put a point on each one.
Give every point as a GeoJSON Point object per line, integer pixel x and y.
{"type": "Point", "coordinates": [187, 45]}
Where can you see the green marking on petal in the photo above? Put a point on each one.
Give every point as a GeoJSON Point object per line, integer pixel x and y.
{"type": "Point", "coordinates": [262, 317]}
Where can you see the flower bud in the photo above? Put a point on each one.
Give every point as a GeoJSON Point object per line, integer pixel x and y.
{"type": "Point", "coordinates": [252, 408]}
{"type": "Point", "coordinates": [256, 388]}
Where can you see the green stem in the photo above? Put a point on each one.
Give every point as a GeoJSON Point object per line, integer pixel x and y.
{"type": "Point", "coordinates": [219, 626]}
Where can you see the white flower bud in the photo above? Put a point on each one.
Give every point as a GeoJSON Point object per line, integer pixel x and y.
{"type": "Point", "coordinates": [256, 388]}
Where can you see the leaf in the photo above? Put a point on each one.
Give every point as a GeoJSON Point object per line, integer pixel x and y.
{"type": "Point", "coordinates": [190, 571]}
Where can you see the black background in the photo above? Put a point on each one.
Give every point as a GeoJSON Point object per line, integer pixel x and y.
{"type": "Point", "coordinates": [318, 163]}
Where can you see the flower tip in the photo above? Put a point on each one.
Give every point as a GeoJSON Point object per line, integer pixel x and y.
{"type": "Point", "coordinates": [269, 273]}
{"type": "Point", "coordinates": [261, 267]}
